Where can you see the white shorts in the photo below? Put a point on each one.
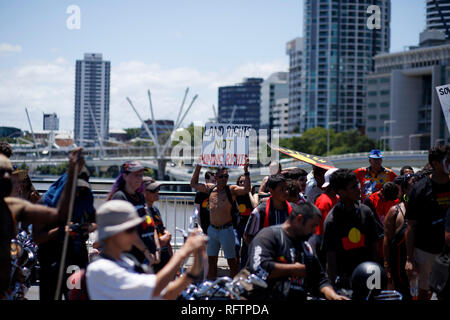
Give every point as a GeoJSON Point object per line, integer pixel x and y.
{"type": "Point", "coordinates": [424, 261]}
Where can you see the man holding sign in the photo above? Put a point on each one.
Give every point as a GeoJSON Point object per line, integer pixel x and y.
{"type": "Point", "coordinates": [220, 230]}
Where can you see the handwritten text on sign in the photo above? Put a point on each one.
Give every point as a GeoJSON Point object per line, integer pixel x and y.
{"type": "Point", "coordinates": [444, 97]}
{"type": "Point", "coordinates": [225, 145]}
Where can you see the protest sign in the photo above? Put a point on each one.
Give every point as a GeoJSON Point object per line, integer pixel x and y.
{"type": "Point", "coordinates": [225, 145]}
{"type": "Point", "coordinates": [444, 97]}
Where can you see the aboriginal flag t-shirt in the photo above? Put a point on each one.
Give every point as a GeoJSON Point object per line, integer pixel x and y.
{"type": "Point", "coordinates": [350, 233]}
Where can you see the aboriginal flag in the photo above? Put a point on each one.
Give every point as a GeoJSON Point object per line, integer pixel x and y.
{"type": "Point", "coordinates": [308, 158]}
{"type": "Point", "coordinates": [354, 240]}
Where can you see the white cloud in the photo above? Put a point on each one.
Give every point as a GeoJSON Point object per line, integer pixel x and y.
{"type": "Point", "coordinates": [7, 48]}
{"type": "Point", "coordinates": [49, 87]}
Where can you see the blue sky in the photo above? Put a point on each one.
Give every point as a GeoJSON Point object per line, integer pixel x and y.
{"type": "Point", "coordinates": [164, 46]}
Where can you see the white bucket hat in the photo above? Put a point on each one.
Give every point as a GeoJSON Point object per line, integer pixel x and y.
{"type": "Point", "coordinates": [116, 216]}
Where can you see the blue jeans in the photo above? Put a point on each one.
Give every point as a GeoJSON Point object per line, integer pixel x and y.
{"type": "Point", "coordinates": [225, 238]}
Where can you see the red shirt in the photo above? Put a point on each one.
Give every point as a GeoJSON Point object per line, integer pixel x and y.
{"type": "Point", "coordinates": [325, 203]}
{"type": "Point", "coordinates": [381, 206]}
{"type": "Point", "coordinates": [371, 182]}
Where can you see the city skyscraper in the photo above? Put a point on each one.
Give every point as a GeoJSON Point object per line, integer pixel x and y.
{"type": "Point", "coordinates": [241, 103]}
{"type": "Point", "coordinates": [51, 121]}
{"type": "Point", "coordinates": [294, 49]}
{"type": "Point", "coordinates": [92, 82]}
{"type": "Point", "coordinates": [273, 88]}
{"type": "Point", "coordinates": [338, 51]}
{"type": "Point", "coordinates": [438, 16]}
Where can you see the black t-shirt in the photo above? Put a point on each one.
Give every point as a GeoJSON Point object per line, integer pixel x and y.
{"type": "Point", "coordinates": [245, 208]}
{"type": "Point", "coordinates": [7, 232]}
{"type": "Point", "coordinates": [146, 229]}
{"type": "Point", "coordinates": [272, 245]}
{"type": "Point", "coordinates": [427, 205]}
{"type": "Point", "coordinates": [157, 219]}
{"type": "Point", "coordinates": [202, 199]}
{"type": "Point", "coordinates": [447, 223]}
{"type": "Point", "coordinates": [351, 233]}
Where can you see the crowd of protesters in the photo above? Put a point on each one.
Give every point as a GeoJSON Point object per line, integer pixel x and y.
{"type": "Point", "coordinates": [309, 231]}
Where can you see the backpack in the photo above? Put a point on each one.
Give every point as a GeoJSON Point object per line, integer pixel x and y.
{"type": "Point", "coordinates": [235, 216]}
{"type": "Point", "coordinates": [78, 290]}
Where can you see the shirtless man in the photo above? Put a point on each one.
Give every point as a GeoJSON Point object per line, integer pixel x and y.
{"type": "Point", "coordinates": [220, 230]}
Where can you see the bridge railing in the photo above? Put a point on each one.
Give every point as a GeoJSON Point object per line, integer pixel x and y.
{"type": "Point", "coordinates": [176, 201]}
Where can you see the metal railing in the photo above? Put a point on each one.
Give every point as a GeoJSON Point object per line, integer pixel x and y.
{"type": "Point", "coordinates": [175, 204]}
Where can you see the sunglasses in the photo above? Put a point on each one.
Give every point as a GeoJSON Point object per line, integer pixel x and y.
{"type": "Point", "coordinates": [222, 176]}
{"type": "Point", "coordinates": [131, 230]}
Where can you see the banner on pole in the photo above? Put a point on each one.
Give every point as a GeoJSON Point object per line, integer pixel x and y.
{"type": "Point", "coordinates": [225, 145]}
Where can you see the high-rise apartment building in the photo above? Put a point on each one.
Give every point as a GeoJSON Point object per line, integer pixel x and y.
{"type": "Point", "coordinates": [294, 49]}
{"type": "Point", "coordinates": [240, 104]}
{"type": "Point", "coordinates": [273, 88]}
{"type": "Point", "coordinates": [92, 81]}
{"type": "Point", "coordinates": [438, 16]}
{"type": "Point", "coordinates": [51, 122]}
{"type": "Point", "coordinates": [339, 46]}
{"type": "Point", "coordinates": [280, 116]}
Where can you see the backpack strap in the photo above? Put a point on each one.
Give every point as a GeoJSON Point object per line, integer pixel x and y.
{"type": "Point", "coordinates": [267, 211]}
{"type": "Point", "coordinates": [229, 195]}
{"type": "Point", "coordinates": [211, 190]}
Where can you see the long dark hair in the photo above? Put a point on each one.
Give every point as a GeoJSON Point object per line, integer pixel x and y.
{"type": "Point", "coordinates": [119, 185]}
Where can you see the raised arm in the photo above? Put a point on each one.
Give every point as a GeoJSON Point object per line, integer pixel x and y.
{"type": "Point", "coordinates": [76, 159]}
{"type": "Point", "coordinates": [241, 191]}
{"type": "Point", "coordinates": [194, 181]}
{"type": "Point", "coordinates": [39, 214]}
{"type": "Point", "coordinates": [262, 187]}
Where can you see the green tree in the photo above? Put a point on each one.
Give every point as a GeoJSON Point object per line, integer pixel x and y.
{"type": "Point", "coordinates": [314, 141]}
{"type": "Point", "coordinates": [133, 133]}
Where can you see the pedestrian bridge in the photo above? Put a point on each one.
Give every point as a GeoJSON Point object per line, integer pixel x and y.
{"type": "Point", "coordinates": [392, 159]}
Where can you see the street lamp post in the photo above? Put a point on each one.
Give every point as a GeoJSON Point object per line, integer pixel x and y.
{"type": "Point", "coordinates": [384, 138]}
{"type": "Point", "coordinates": [328, 136]}
{"type": "Point", "coordinates": [390, 131]}
{"type": "Point", "coordinates": [414, 136]}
